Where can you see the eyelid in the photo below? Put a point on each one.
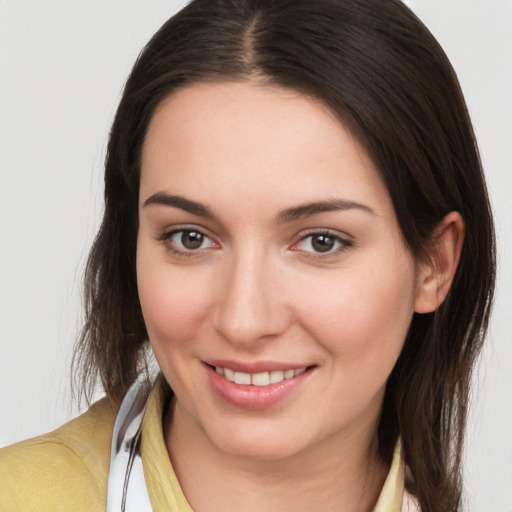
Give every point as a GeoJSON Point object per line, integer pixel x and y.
{"type": "Point", "coordinates": [166, 235]}
{"type": "Point", "coordinates": [344, 240]}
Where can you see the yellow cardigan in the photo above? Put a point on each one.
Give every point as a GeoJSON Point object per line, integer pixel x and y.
{"type": "Point", "coordinates": [67, 470]}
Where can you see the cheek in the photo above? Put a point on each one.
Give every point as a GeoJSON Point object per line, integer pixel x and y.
{"type": "Point", "coordinates": [362, 316]}
{"type": "Point", "coordinates": [174, 301]}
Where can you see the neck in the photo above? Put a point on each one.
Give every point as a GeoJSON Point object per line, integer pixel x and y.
{"type": "Point", "coordinates": [336, 474]}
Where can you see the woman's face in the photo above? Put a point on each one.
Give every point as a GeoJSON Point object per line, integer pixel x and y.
{"type": "Point", "coordinates": [275, 286]}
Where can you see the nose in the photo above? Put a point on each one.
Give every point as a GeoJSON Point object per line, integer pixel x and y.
{"type": "Point", "coordinates": [251, 304]}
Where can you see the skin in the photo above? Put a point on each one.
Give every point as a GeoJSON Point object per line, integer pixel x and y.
{"type": "Point", "coordinates": [257, 290]}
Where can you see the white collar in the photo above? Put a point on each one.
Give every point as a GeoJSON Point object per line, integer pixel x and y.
{"type": "Point", "coordinates": [126, 489]}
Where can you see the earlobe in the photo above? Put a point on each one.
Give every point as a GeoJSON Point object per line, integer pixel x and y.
{"type": "Point", "coordinates": [435, 276]}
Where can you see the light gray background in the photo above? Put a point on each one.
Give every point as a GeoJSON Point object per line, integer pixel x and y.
{"type": "Point", "coordinates": [62, 66]}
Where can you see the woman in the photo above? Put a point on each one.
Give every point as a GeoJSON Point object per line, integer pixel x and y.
{"type": "Point", "coordinates": [296, 221]}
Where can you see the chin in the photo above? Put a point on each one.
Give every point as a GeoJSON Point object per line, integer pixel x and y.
{"type": "Point", "coordinates": [256, 445]}
{"type": "Point", "coordinates": [256, 451]}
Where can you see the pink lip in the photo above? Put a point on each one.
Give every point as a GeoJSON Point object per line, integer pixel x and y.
{"type": "Point", "coordinates": [253, 397]}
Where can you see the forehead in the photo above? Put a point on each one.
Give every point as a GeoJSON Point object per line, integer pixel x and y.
{"type": "Point", "coordinates": [254, 139]}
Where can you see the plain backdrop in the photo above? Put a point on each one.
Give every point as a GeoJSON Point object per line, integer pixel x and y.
{"type": "Point", "coordinates": [62, 67]}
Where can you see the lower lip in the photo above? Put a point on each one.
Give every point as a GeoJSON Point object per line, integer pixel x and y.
{"type": "Point", "coordinates": [253, 397]}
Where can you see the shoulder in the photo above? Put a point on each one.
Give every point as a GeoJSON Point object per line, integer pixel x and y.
{"type": "Point", "coordinates": [64, 470]}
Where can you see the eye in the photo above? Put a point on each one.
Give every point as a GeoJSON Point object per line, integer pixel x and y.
{"type": "Point", "coordinates": [185, 241]}
{"type": "Point", "coordinates": [188, 240]}
{"type": "Point", "coordinates": [323, 243]}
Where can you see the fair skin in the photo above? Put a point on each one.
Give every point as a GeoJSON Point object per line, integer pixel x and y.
{"type": "Point", "coordinates": [236, 275]}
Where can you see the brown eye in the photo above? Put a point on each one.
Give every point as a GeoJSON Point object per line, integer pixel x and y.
{"type": "Point", "coordinates": [322, 243]}
{"type": "Point", "coordinates": [191, 239]}
{"type": "Point", "coordinates": [186, 241]}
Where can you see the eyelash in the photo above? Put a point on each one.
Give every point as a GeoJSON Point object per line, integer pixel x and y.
{"type": "Point", "coordinates": [166, 239]}
{"type": "Point", "coordinates": [343, 243]}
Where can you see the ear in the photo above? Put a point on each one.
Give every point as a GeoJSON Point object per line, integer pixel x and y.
{"type": "Point", "coordinates": [435, 276]}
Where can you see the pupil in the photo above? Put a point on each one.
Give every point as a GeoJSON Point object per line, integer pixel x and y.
{"type": "Point", "coordinates": [191, 239]}
{"type": "Point", "coordinates": [323, 243]}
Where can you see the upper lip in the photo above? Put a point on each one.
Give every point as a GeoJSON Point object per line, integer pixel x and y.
{"type": "Point", "coordinates": [255, 366]}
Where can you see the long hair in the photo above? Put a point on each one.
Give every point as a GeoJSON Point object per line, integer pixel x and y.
{"type": "Point", "coordinates": [377, 67]}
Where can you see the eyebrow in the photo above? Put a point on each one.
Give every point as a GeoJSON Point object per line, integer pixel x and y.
{"type": "Point", "coordinates": [288, 215]}
{"type": "Point", "coordinates": [163, 199]}
{"type": "Point", "coordinates": [330, 205]}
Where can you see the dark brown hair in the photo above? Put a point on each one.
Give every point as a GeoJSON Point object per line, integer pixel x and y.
{"type": "Point", "coordinates": [382, 72]}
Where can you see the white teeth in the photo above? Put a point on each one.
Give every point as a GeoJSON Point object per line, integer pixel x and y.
{"type": "Point", "coordinates": [276, 376]}
{"type": "Point", "coordinates": [258, 379]}
{"type": "Point", "coordinates": [229, 374]}
{"type": "Point", "coordinates": [243, 378]}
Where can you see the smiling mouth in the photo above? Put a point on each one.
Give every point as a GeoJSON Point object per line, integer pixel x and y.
{"type": "Point", "coordinates": [258, 379]}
